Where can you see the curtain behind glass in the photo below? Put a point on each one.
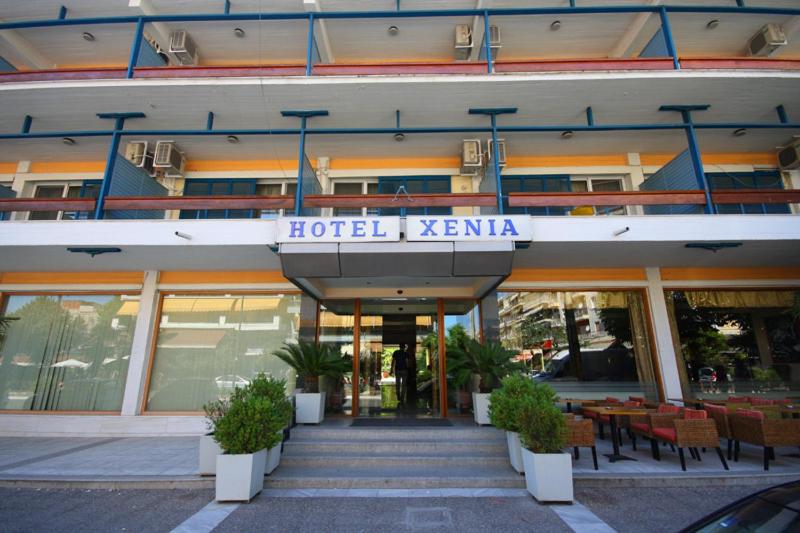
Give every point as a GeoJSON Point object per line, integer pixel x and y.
{"type": "Point", "coordinates": [207, 345]}
{"type": "Point", "coordinates": [67, 352]}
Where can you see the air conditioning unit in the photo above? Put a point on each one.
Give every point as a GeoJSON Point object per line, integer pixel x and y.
{"type": "Point", "coordinates": [767, 40]}
{"type": "Point", "coordinates": [471, 157]}
{"type": "Point", "coordinates": [463, 41]}
{"type": "Point", "coordinates": [169, 160]}
{"type": "Point", "coordinates": [789, 157]}
{"type": "Point", "coordinates": [502, 151]}
{"type": "Point", "coordinates": [136, 152]}
{"type": "Point", "coordinates": [183, 48]}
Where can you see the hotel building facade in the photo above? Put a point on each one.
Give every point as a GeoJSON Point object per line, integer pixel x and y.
{"type": "Point", "coordinates": [609, 191]}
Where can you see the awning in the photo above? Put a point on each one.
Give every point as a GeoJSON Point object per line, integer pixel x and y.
{"type": "Point", "coordinates": [180, 304]}
{"type": "Point", "coordinates": [207, 339]}
{"type": "Point", "coordinates": [129, 308]}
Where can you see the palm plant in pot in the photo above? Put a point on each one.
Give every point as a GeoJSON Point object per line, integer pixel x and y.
{"type": "Point", "coordinates": [505, 405]}
{"type": "Point", "coordinates": [543, 432]}
{"type": "Point", "coordinates": [491, 361]}
{"type": "Point", "coordinates": [311, 361]}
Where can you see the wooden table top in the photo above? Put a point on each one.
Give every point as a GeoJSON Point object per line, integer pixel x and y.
{"type": "Point", "coordinates": [696, 400]}
{"type": "Point", "coordinates": [618, 411]}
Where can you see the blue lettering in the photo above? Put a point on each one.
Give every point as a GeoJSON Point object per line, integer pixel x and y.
{"type": "Point", "coordinates": [428, 228]}
{"type": "Point", "coordinates": [337, 227]}
{"type": "Point", "coordinates": [296, 229]}
{"type": "Point", "coordinates": [375, 228]}
{"type": "Point", "coordinates": [475, 225]}
{"type": "Point", "coordinates": [508, 228]}
{"type": "Point", "coordinates": [318, 229]}
{"type": "Point", "coordinates": [358, 228]}
{"type": "Point", "coordinates": [450, 227]}
{"type": "Point", "coordinates": [491, 227]}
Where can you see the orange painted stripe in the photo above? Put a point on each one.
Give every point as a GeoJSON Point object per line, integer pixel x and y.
{"type": "Point", "coordinates": [8, 168]}
{"type": "Point", "coordinates": [690, 274]}
{"type": "Point", "coordinates": [67, 166]}
{"type": "Point", "coordinates": [288, 165]}
{"type": "Point", "coordinates": [577, 274]}
{"type": "Point", "coordinates": [417, 162]}
{"type": "Point", "coordinates": [568, 161]}
{"type": "Point", "coordinates": [755, 158]}
{"type": "Point", "coordinates": [79, 278]}
{"type": "Point", "coordinates": [192, 277]}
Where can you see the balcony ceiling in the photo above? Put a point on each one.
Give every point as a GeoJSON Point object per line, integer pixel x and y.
{"type": "Point", "coordinates": [431, 101]}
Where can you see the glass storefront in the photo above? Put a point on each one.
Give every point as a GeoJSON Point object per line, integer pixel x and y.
{"type": "Point", "coordinates": [461, 321]}
{"type": "Point", "coordinates": [587, 344]}
{"type": "Point", "coordinates": [66, 352]}
{"type": "Point", "coordinates": [336, 323]}
{"type": "Point", "coordinates": [209, 344]}
{"type": "Point", "coordinates": [736, 342]}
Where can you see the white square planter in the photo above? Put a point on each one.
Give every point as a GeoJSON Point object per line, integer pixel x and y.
{"type": "Point", "coordinates": [515, 452]}
{"type": "Point", "coordinates": [480, 408]}
{"type": "Point", "coordinates": [273, 456]}
{"type": "Point", "coordinates": [209, 450]}
{"type": "Point", "coordinates": [548, 476]}
{"type": "Point", "coordinates": [310, 407]}
{"type": "Point", "coordinates": [240, 476]}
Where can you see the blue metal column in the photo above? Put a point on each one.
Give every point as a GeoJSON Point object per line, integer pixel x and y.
{"type": "Point", "coordinates": [487, 38]}
{"type": "Point", "coordinates": [303, 116]}
{"type": "Point", "coordinates": [137, 44]}
{"type": "Point", "coordinates": [668, 39]}
{"type": "Point", "coordinates": [694, 149]}
{"type": "Point", "coordinates": [496, 157]}
{"type": "Point", "coordinates": [119, 123]}
{"type": "Point", "coordinates": [310, 45]}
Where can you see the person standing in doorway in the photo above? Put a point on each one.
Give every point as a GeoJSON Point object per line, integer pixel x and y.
{"type": "Point", "coordinates": [400, 372]}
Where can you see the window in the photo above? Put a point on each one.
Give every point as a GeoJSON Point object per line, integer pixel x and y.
{"type": "Point", "coordinates": [218, 187]}
{"type": "Point", "coordinates": [349, 188]}
{"type": "Point", "coordinates": [208, 344]}
{"type": "Point", "coordinates": [87, 189]}
{"type": "Point", "coordinates": [414, 185]}
{"type": "Point", "coordinates": [66, 352]}
{"type": "Point", "coordinates": [274, 189]}
{"type": "Point", "coordinates": [557, 183]}
{"type": "Point", "coordinates": [585, 344]}
{"type": "Point", "coordinates": [760, 179]}
{"type": "Point", "coordinates": [600, 185]}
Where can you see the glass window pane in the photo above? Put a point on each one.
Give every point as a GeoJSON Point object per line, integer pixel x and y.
{"type": "Point", "coordinates": [336, 321]}
{"type": "Point", "coordinates": [46, 191]}
{"type": "Point", "coordinates": [268, 189]}
{"type": "Point", "coordinates": [580, 186]}
{"type": "Point", "coordinates": [584, 344]}
{"type": "Point", "coordinates": [207, 345]}
{"type": "Point", "coordinates": [461, 321]}
{"type": "Point", "coordinates": [347, 188]}
{"type": "Point", "coordinates": [604, 185]}
{"type": "Point", "coordinates": [66, 352]}
{"type": "Point", "coordinates": [736, 343]}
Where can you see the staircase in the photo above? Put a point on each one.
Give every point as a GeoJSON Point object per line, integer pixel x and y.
{"type": "Point", "coordinates": [396, 458]}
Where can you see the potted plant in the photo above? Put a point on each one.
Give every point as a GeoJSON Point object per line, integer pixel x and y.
{"type": "Point", "coordinates": [504, 413]}
{"type": "Point", "coordinates": [310, 361]}
{"type": "Point", "coordinates": [489, 362]}
{"type": "Point", "coordinates": [543, 432]}
{"type": "Point", "coordinates": [275, 391]}
{"type": "Point", "coordinates": [245, 431]}
{"type": "Point", "coordinates": [209, 448]}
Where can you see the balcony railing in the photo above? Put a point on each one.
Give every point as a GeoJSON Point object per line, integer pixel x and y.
{"type": "Point", "coordinates": [483, 62]}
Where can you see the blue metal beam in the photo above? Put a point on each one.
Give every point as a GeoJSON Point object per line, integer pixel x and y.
{"type": "Point", "coordinates": [694, 148]}
{"type": "Point", "coordinates": [493, 112]}
{"type": "Point", "coordinates": [666, 29]}
{"type": "Point", "coordinates": [589, 116]}
{"type": "Point", "coordinates": [397, 118]}
{"type": "Point", "coordinates": [227, 8]}
{"type": "Point", "coordinates": [210, 121]}
{"type": "Point", "coordinates": [26, 124]}
{"type": "Point", "coordinates": [62, 13]}
{"type": "Point", "coordinates": [135, 46]}
{"type": "Point", "coordinates": [782, 116]}
{"type": "Point", "coordinates": [310, 46]}
{"type": "Point", "coordinates": [111, 159]}
{"type": "Point", "coordinates": [303, 115]}
{"type": "Point", "coordinates": [487, 41]}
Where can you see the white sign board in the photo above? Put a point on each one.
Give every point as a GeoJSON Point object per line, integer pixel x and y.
{"type": "Point", "coordinates": [338, 229]}
{"type": "Point", "coordinates": [476, 228]}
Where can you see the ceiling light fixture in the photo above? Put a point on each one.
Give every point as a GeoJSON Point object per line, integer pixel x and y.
{"type": "Point", "coordinates": [239, 32]}
{"type": "Point", "coordinates": [69, 141]}
{"type": "Point", "coordinates": [233, 139]}
{"type": "Point", "coordinates": [740, 132]}
{"type": "Point", "coordinates": [713, 23]}
{"type": "Point", "coordinates": [399, 137]}
{"type": "Point", "coordinates": [87, 36]}
{"type": "Point", "coordinates": [569, 134]}
{"type": "Point", "coordinates": [393, 30]}
{"type": "Point", "coordinates": [555, 25]}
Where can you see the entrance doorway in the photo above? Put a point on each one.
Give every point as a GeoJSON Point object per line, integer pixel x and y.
{"type": "Point", "coordinates": [371, 331]}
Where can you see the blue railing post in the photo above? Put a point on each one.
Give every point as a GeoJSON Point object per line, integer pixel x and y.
{"type": "Point", "coordinates": [137, 44]}
{"type": "Point", "coordinates": [298, 196]}
{"type": "Point", "coordinates": [493, 112]}
{"type": "Point", "coordinates": [227, 8]}
{"type": "Point", "coordinates": [487, 41]}
{"type": "Point", "coordinates": [310, 46]}
{"type": "Point", "coordinates": [26, 124]}
{"type": "Point", "coordinates": [111, 159]}
{"type": "Point", "coordinates": [666, 29]}
{"type": "Point", "coordinates": [782, 116]}
{"type": "Point", "coordinates": [62, 13]}
{"type": "Point", "coordinates": [694, 148]}
{"type": "Point", "coordinates": [589, 116]}
{"type": "Point", "coordinates": [210, 121]}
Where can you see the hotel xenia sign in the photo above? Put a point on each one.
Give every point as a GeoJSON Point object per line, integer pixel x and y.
{"type": "Point", "coordinates": [418, 228]}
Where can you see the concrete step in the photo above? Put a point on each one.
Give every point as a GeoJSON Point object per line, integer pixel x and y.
{"type": "Point", "coordinates": [395, 434]}
{"type": "Point", "coordinates": [380, 461]}
{"type": "Point", "coordinates": [325, 447]}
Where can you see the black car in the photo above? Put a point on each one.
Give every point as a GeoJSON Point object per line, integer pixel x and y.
{"type": "Point", "coordinates": [776, 509]}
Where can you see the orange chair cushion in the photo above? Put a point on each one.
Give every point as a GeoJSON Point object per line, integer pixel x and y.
{"type": "Point", "coordinates": [666, 434]}
{"type": "Point", "coordinates": [760, 401]}
{"type": "Point", "coordinates": [711, 408]}
{"type": "Point", "coordinates": [631, 403]}
{"type": "Point", "coordinates": [694, 414]}
{"type": "Point", "coordinates": [611, 399]}
{"type": "Point", "coordinates": [751, 413]}
{"type": "Point", "coordinates": [738, 399]}
{"type": "Point", "coordinates": [668, 408]}
{"type": "Point", "coordinates": [636, 399]}
{"type": "Point", "coordinates": [641, 427]}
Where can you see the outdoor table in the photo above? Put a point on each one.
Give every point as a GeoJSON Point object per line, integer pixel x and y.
{"type": "Point", "coordinates": [581, 401]}
{"type": "Point", "coordinates": [697, 402]}
{"type": "Point", "coordinates": [794, 412]}
{"type": "Point", "coordinates": [613, 413]}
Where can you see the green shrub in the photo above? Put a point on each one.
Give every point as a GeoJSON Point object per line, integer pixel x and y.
{"type": "Point", "coordinates": [248, 425]}
{"type": "Point", "coordinates": [275, 391]}
{"type": "Point", "coordinates": [542, 427]}
{"type": "Point", "coordinates": [490, 360]}
{"type": "Point", "coordinates": [506, 402]}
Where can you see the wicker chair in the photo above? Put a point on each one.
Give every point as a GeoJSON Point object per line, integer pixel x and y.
{"type": "Point", "coordinates": [754, 427]}
{"type": "Point", "coordinates": [643, 425]}
{"type": "Point", "coordinates": [695, 430]}
{"type": "Point", "coordinates": [720, 415]}
{"type": "Point", "coordinates": [580, 433]}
